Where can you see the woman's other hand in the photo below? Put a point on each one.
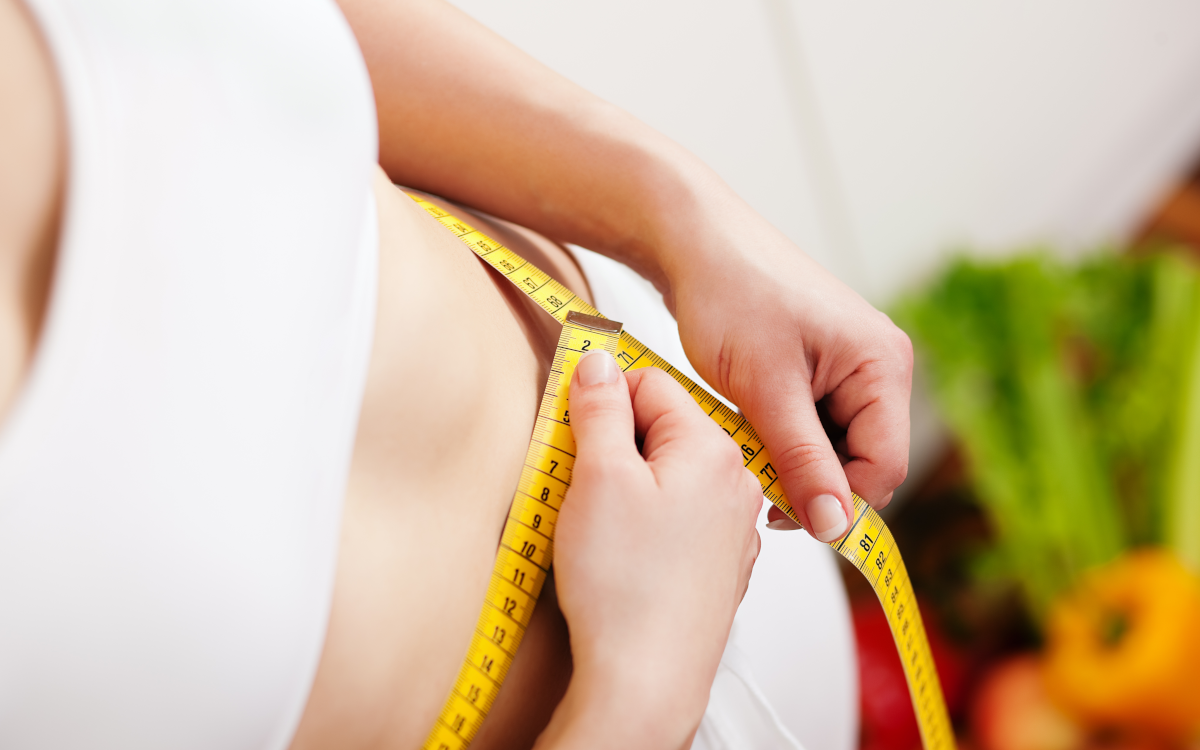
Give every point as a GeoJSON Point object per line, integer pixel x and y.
{"type": "Point", "coordinates": [653, 554]}
{"type": "Point", "coordinates": [823, 376]}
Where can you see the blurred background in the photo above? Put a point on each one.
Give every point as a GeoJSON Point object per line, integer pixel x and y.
{"type": "Point", "coordinates": [1018, 184]}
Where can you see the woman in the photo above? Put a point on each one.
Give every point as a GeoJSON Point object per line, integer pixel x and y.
{"type": "Point", "coordinates": [229, 337]}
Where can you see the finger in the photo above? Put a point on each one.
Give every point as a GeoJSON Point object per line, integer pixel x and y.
{"type": "Point", "coordinates": [873, 406]}
{"type": "Point", "coordinates": [777, 520]}
{"type": "Point", "coordinates": [753, 558]}
{"type": "Point", "coordinates": [783, 411]}
{"type": "Point", "coordinates": [755, 548]}
{"type": "Point", "coordinates": [601, 412]}
{"type": "Point", "coordinates": [666, 417]}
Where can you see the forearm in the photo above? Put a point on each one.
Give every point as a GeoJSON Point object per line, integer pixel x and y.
{"type": "Point", "coordinates": [466, 115]}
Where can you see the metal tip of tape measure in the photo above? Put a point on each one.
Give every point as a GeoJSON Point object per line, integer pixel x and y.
{"type": "Point", "coordinates": [591, 321]}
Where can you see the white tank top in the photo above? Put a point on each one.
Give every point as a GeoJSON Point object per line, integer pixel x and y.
{"type": "Point", "coordinates": [171, 475]}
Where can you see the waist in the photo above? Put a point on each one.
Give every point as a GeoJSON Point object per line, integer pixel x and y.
{"type": "Point", "coordinates": [457, 367]}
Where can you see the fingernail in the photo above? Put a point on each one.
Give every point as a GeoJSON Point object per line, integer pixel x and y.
{"type": "Point", "coordinates": [827, 518]}
{"type": "Point", "coordinates": [783, 524]}
{"type": "Point", "coordinates": [597, 367]}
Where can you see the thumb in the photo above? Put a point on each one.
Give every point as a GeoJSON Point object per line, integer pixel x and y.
{"type": "Point", "coordinates": [601, 410]}
{"type": "Point", "coordinates": [808, 468]}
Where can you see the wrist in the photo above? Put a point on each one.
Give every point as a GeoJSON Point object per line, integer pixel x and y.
{"type": "Point", "coordinates": [695, 232]}
{"type": "Point", "coordinates": [626, 707]}
{"type": "Point", "coordinates": [645, 190]}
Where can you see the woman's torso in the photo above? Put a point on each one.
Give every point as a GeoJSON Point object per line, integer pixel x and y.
{"type": "Point", "coordinates": [455, 371]}
{"type": "Point", "coordinates": [458, 364]}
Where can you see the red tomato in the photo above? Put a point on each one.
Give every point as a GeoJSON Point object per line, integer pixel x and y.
{"type": "Point", "coordinates": [888, 720]}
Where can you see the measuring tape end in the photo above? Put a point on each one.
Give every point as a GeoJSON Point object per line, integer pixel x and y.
{"type": "Point", "coordinates": [603, 325]}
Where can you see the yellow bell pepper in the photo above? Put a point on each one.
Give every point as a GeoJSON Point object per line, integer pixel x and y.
{"type": "Point", "coordinates": [1123, 649]}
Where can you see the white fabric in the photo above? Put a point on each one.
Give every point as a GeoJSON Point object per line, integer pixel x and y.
{"type": "Point", "coordinates": [171, 476]}
{"type": "Point", "coordinates": [789, 671]}
{"type": "Point", "coordinates": [738, 716]}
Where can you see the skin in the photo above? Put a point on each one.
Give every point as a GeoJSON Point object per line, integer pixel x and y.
{"type": "Point", "coordinates": [466, 416]}
{"type": "Point", "coordinates": [553, 158]}
{"type": "Point", "coordinates": [33, 152]}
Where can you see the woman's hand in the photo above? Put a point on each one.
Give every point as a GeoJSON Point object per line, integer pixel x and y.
{"type": "Point", "coordinates": [653, 553]}
{"type": "Point", "coordinates": [823, 376]}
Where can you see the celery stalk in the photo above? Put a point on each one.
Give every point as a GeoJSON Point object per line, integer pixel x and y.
{"type": "Point", "coordinates": [1182, 517]}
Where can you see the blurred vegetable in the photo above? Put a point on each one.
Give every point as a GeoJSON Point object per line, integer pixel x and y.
{"type": "Point", "coordinates": [1123, 649]}
{"type": "Point", "coordinates": [1075, 393]}
{"type": "Point", "coordinates": [1012, 711]}
{"type": "Point", "coordinates": [1183, 477]}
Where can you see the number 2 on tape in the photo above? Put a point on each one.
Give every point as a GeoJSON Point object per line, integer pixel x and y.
{"type": "Point", "coordinates": [527, 543]}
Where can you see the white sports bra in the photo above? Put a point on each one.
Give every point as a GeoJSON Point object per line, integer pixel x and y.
{"type": "Point", "coordinates": [171, 475]}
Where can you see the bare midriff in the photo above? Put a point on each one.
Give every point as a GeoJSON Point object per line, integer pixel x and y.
{"type": "Point", "coordinates": [442, 435]}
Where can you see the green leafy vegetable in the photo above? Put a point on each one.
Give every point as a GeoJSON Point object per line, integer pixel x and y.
{"type": "Point", "coordinates": [1075, 393]}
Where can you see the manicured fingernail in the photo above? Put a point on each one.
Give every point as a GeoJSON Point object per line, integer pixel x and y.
{"type": "Point", "coordinates": [597, 367]}
{"type": "Point", "coordinates": [827, 518]}
{"type": "Point", "coordinates": [783, 524]}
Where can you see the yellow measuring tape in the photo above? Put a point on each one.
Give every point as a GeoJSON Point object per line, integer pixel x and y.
{"type": "Point", "coordinates": [526, 546]}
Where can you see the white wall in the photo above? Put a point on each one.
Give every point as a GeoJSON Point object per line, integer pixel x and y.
{"type": "Point", "coordinates": [996, 124]}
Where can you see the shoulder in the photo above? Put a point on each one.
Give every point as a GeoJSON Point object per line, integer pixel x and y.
{"type": "Point", "coordinates": [33, 152]}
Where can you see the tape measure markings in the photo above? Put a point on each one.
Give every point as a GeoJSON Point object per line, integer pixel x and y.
{"type": "Point", "coordinates": [558, 300]}
{"type": "Point", "coordinates": [526, 549]}
{"type": "Point", "coordinates": [729, 420]}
